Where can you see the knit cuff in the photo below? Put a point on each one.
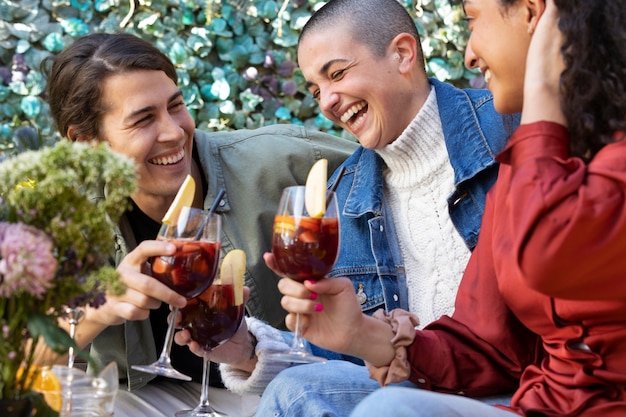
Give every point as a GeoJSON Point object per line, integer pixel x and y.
{"type": "Point", "coordinates": [403, 325]}
{"type": "Point", "coordinates": [268, 339]}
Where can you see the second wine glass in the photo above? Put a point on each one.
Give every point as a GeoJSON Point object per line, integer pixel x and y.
{"type": "Point", "coordinates": [212, 319]}
{"type": "Point", "coordinates": [305, 248]}
{"type": "Point", "coordinates": [190, 271]}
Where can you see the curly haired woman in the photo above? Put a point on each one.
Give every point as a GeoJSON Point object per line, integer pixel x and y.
{"type": "Point", "coordinates": [542, 305]}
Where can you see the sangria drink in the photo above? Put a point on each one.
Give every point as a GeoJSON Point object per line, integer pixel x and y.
{"type": "Point", "coordinates": [212, 318]}
{"type": "Point", "coordinates": [305, 248]}
{"type": "Point", "coordinates": [191, 269]}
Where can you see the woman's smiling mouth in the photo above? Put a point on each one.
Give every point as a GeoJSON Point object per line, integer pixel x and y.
{"type": "Point", "coordinates": [345, 118]}
{"type": "Point", "coordinates": [355, 116]}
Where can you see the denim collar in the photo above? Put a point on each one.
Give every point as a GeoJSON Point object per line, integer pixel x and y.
{"type": "Point", "coordinates": [457, 109]}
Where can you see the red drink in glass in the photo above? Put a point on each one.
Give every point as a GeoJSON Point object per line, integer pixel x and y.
{"type": "Point", "coordinates": [212, 318]}
{"type": "Point", "coordinates": [305, 248]}
{"type": "Point", "coordinates": [191, 269]}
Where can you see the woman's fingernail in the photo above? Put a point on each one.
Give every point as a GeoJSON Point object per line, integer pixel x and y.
{"type": "Point", "coordinates": [310, 282]}
{"type": "Point", "coordinates": [319, 307]}
{"type": "Point", "coordinates": [313, 296]}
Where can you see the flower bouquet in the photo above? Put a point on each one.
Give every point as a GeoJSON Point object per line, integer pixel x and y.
{"type": "Point", "coordinates": [58, 210]}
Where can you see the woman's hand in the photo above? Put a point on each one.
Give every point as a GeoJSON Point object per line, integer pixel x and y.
{"type": "Point", "coordinates": [544, 65]}
{"type": "Point", "coordinates": [330, 313]}
{"type": "Point", "coordinates": [331, 317]}
{"type": "Point", "coordinates": [320, 316]}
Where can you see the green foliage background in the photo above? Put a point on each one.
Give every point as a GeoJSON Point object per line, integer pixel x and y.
{"type": "Point", "coordinates": [235, 58]}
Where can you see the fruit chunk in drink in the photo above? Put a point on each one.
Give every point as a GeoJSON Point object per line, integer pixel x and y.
{"type": "Point", "coordinates": [191, 269]}
{"type": "Point", "coordinates": [212, 318]}
{"type": "Point", "coordinates": [305, 247]}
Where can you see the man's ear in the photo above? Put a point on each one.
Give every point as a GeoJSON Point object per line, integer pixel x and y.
{"type": "Point", "coordinates": [73, 136]}
{"type": "Point", "coordinates": [535, 9]}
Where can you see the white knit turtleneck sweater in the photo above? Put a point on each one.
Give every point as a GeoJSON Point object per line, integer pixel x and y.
{"type": "Point", "coordinates": [418, 179]}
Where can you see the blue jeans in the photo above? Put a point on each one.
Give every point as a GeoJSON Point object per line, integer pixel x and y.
{"type": "Point", "coordinates": [406, 402]}
{"type": "Point", "coordinates": [331, 389]}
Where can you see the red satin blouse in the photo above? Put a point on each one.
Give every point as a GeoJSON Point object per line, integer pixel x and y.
{"type": "Point", "coordinates": [541, 309]}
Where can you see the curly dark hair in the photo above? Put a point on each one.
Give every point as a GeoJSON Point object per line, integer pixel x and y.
{"type": "Point", "coordinates": [593, 84]}
{"type": "Point", "coordinates": [593, 90]}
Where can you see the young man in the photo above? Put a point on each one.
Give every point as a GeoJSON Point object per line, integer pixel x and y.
{"type": "Point", "coordinates": [121, 89]}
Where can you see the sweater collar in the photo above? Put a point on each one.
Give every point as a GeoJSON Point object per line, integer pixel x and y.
{"type": "Point", "coordinates": [420, 149]}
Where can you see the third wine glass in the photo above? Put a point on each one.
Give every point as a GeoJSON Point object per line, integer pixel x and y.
{"type": "Point", "coordinates": [305, 248]}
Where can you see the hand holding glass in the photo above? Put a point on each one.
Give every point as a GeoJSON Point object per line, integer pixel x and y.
{"type": "Point", "coordinates": [304, 248]}
{"type": "Point", "coordinates": [189, 272]}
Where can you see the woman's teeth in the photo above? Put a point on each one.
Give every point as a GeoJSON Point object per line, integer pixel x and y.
{"type": "Point", "coordinates": [351, 112]}
{"type": "Point", "coordinates": [487, 76]}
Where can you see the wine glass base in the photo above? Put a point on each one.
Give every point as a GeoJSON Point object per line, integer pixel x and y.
{"type": "Point", "coordinates": [200, 412]}
{"type": "Point", "coordinates": [293, 356]}
{"type": "Point", "coordinates": [162, 370]}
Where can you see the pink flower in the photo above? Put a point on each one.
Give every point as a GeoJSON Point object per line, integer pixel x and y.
{"type": "Point", "coordinates": [27, 261]}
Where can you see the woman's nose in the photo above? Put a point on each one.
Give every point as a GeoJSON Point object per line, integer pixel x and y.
{"type": "Point", "coordinates": [471, 61]}
{"type": "Point", "coordinates": [328, 100]}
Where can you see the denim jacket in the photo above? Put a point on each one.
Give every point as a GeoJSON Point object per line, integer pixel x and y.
{"type": "Point", "coordinates": [369, 254]}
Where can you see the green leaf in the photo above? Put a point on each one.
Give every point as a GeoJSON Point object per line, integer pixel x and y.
{"type": "Point", "coordinates": [41, 325]}
{"type": "Point", "coordinates": [39, 403]}
{"type": "Point", "coordinates": [57, 339]}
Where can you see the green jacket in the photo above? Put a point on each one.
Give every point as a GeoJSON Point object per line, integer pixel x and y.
{"type": "Point", "coordinates": [253, 167]}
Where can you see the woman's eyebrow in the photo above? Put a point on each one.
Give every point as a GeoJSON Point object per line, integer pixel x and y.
{"type": "Point", "coordinates": [324, 69]}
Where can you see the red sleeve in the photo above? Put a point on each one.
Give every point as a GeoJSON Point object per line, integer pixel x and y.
{"type": "Point", "coordinates": [566, 211]}
{"type": "Point", "coordinates": [483, 349]}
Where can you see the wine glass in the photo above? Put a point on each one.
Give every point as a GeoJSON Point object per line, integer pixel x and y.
{"type": "Point", "coordinates": [73, 315]}
{"type": "Point", "coordinates": [189, 272]}
{"type": "Point", "coordinates": [304, 248]}
{"type": "Point", "coordinates": [212, 319]}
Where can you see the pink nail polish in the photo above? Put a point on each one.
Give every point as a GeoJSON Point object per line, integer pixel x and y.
{"type": "Point", "coordinates": [310, 282]}
{"type": "Point", "coordinates": [313, 296]}
{"type": "Point", "coordinates": [319, 307]}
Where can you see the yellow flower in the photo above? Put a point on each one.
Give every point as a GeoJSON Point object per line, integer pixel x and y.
{"type": "Point", "coordinates": [29, 183]}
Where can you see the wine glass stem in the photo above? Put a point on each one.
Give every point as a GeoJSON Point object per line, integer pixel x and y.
{"type": "Point", "coordinates": [74, 315]}
{"type": "Point", "coordinates": [164, 359]}
{"type": "Point", "coordinates": [71, 358]}
{"type": "Point", "coordinates": [297, 344]}
{"type": "Point", "coordinates": [204, 405]}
